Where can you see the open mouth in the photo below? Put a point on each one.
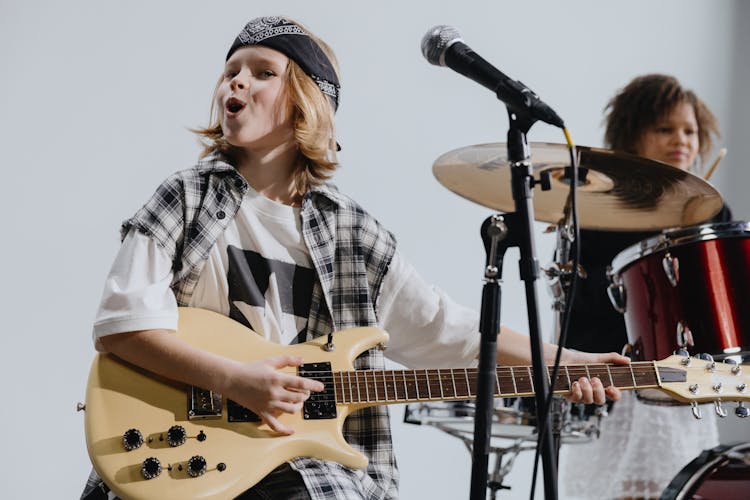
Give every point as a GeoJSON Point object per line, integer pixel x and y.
{"type": "Point", "coordinates": [234, 105]}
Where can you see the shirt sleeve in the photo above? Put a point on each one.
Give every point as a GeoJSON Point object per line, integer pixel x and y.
{"type": "Point", "coordinates": [137, 293]}
{"type": "Point", "coordinates": [427, 328]}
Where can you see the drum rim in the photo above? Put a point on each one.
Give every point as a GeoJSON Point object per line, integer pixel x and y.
{"type": "Point", "coordinates": [675, 237]}
{"type": "Point", "coordinates": [695, 470]}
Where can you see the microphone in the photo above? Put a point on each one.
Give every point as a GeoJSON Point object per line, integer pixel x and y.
{"type": "Point", "coordinates": [443, 46]}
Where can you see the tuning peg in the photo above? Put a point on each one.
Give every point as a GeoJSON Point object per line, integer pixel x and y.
{"type": "Point", "coordinates": [711, 365]}
{"type": "Point", "coordinates": [736, 367]}
{"type": "Point", "coordinates": [696, 410]}
{"type": "Point", "coordinates": [741, 411]}
{"type": "Point", "coordinates": [720, 411]}
{"type": "Point", "coordinates": [686, 359]}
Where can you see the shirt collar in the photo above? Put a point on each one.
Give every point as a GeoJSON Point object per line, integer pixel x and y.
{"type": "Point", "coordinates": [215, 162]}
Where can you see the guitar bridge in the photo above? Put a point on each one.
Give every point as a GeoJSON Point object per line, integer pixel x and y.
{"type": "Point", "coordinates": [203, 403]}
{"type": "Point", "coordinates": [320, 405]}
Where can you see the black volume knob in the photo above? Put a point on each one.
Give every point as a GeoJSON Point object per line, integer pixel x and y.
{"type": "Point", "coordinates": [176, 435]}
{"type": "Point", "coordinates": [132, 439]}
{"type": "Point", "coordinates": [196, 466]}
{"type": "Point", "coordinates": [150, 468]}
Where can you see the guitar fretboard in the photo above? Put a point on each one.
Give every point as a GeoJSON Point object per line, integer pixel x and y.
{"type": "Point", "coordinates": [402, 386]}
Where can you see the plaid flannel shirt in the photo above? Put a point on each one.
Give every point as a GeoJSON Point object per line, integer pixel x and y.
{"type": "Point", "coordinates": [351, 253]}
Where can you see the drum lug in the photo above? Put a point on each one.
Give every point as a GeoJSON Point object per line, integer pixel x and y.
{"type": "Point", "coordinates": [627, 350]}
{"type": "Point", "coordinates": [684, 336]}
{"type": "Point", "coordinates": [616, 291]}
{"type": "Point", "coordinates": [671, 266]}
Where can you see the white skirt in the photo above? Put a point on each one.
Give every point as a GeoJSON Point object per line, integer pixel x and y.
{"type": "Point", "coordinates": [640, 450]}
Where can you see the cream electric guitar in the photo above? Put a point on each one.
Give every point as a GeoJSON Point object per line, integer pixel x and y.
{"type": "Point", "coordinates": [153, 438]}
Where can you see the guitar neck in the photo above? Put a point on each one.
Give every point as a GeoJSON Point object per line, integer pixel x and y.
{"type": "Point", "coordinates": [373, 387]}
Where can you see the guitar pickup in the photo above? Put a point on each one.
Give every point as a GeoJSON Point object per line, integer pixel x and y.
{"type": "Point", "coordinates": [320, 405]}
{"type": "Point", "coordinates": [203, 403]}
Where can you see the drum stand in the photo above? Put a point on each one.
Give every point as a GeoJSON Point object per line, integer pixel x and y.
{"type": "Point", "coordinates": [500, 469]}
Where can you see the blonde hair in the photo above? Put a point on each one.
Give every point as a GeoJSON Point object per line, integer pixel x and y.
{"type": "Point", "coordinates": [312, 116]}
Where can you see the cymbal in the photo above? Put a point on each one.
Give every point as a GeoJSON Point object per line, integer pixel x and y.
{"type": "Point", "coordinates": [621, 192]}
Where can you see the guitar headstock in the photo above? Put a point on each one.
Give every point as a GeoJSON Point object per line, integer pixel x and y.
{"type": "Point", "coordinates": [703, 380]}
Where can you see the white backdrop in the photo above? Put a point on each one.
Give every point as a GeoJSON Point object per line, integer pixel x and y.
{"type": "Point", "coordinates": [97, 97]}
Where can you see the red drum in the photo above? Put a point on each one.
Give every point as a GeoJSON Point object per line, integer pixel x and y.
{"type": "Point", "coordinates": [686, 288]}
{"type": "Point", "coordinates": [722, 472]}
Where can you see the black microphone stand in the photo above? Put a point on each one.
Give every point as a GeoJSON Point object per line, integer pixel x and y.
{"type": "Point", "coordinates": [500, 232]}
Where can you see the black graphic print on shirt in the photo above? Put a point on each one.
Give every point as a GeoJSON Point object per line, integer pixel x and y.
{"type": "Point", "coordinates": [250, 276]}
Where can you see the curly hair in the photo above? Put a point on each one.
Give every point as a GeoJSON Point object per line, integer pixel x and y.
{"type": "Point", "coordinates": [645, 101]}
{"type": "Point", "coordinates": [314, 126]}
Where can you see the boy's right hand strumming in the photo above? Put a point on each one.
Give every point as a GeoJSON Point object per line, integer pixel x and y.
{"type": "Point", "coordinates": [262, 387]}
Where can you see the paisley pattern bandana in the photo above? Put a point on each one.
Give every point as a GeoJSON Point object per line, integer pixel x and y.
{"type": "Point", "coordinates": [288, 38]}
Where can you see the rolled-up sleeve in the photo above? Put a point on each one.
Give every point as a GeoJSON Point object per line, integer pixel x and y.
{"type": "Point", "coordinates": [137, 293]}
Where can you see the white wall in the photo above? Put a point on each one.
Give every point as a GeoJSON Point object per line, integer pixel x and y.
{"type": "Point", "coordinates": [97, 97]}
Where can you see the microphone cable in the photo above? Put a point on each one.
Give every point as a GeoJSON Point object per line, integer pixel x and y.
{"type": "Point", "coordinates": [543, 412]}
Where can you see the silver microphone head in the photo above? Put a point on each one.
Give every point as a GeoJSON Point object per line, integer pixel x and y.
{"type": "Point", "coordinates": [436, 41]}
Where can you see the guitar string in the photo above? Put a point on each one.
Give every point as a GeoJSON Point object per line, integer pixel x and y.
{"type": "Point", "coordinates": [413, 380]}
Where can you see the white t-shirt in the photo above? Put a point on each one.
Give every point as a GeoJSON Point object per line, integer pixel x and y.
{"type": "Point", "coordinates": [260, 273]}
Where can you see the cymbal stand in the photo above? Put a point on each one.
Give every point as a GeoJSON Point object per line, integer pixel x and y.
{"type": "Point", "coordinates": [559, 276]}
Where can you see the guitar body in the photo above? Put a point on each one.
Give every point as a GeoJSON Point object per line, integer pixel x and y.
{"type": "Point", "coordinates": [121, 396]}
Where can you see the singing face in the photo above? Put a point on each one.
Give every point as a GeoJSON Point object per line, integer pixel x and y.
{"type": "Point", "coordinates": [673, 139]}
{"type": "Point", "coordinates": [253, 99]}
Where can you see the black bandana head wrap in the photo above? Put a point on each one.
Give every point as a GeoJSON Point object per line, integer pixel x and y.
{"type": "Point", "coordinates": [283, 35]}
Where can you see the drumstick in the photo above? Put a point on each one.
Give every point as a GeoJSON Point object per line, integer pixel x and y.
{"type": "Point", "coordinates": [722, 154]}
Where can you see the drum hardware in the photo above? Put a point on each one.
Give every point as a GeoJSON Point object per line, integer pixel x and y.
{"type": "Point", "coordinates": [686, 288]}
{"type": "Point", "coordinates": [645, 195]}
{"type": "Point", "coordinates": [684, 336]}
{"type": "Point", "coordinates": [720, 472]}
{"type": "Point", "coordinates": [671, 266]}
{"type": "Point", "coordinates": [513, 421]}
{"type": "Point", "coordinates": [616, 291]}
{"type": "Point", "coordinates": [457, 419]}
{"type": "Point", "coordinates": [620, 191]}
{"type": "Point", "coordinates": [558, 281]}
